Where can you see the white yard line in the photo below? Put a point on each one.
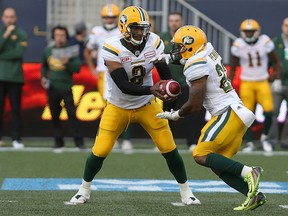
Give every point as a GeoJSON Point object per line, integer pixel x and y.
{"type": "Point", "coordinates": [138, 151]}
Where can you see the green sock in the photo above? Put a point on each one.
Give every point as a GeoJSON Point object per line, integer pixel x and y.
{"type": "Point", "coordinates": [248, 135]}
{"type": "Point", "coordinates": [235, 182]}
{"type": "Point", "coordinates": [176, 165]}
{"type": "Point", "coordinates": [222, 163]}
{"type": "Point", "coordinates": [92, 167]}
{"type": "Point", "coordinates": [267, 122]}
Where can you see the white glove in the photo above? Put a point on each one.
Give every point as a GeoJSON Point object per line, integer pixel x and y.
{"type": "Point", "coordinates": [276, 86]}
{"type": "Point", "coordinates": [173, 115]}
{"type": "Point", "coordinates": [161, 58]}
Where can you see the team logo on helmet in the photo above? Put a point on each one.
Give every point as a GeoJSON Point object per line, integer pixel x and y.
{"type": "Point", "coordinates": [123, 19]}
{"type": "Point", "coordinates": [187, 40]}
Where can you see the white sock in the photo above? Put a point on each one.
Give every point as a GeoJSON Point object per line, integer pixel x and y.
{"type": "Point", "coordinates": [245, 171]}
{"type": "Point", "coordinates": [184, 186]}
{"type": "Point", "coordinates": [263, 137]}
{"type": "Point", "coordinates": [85, 184]}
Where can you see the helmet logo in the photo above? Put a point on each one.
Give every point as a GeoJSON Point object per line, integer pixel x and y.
{"type": "Point", "coordinates": [123, 19]}
{"type": "Point", "coordinates": [187, 40]}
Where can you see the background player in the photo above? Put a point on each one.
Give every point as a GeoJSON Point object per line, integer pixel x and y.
{"type": "Point", "coordinates": [109, 15]}
{"type": "Point", "coordinates": [252, 52]}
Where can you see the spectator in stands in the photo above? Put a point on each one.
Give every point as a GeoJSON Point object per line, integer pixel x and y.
{"type": "Point", "coordinates": [281, 50]}
{"type": "Point", "coordinates": [13, 42]}
{"type": "Point", "coordinates": [58, 66]}
{"type": "Point", "coordinates": [80, 38]}
{"type": "Point", "coordinates": [109, 15]}
{"type": "Point", "coordinates": [192, 131]}
{"type": "Point", "coordinates": [252, 51]}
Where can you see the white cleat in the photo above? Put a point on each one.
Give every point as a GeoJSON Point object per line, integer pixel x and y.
{"type": "Point", "coordinates": [188, 198]}
{"type": "Point", "coordinates": [127, 146]}
{"type": "Point", "coordinates": [191, 201]}
{"type": "Point", "coordinates": [249, 147]}
{"type": "Point", "coordinates": [267, 147]}
{"type": "Point", "coordinates": [17, 145]}
{"type": "Point", "coordinates": [81, 197]}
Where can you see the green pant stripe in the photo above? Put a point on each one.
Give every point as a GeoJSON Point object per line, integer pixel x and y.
{"type": "Point", "coordinates": [222, 124]}
{"type": "Point", "coordinates": [212, 132]}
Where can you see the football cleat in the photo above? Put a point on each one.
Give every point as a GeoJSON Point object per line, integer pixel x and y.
{"type": "Point", "coordinates": [253, 179]}
{"type": "Point", "coordinates": [127, 145]}
{"type": "Point", "coordinates": [249, 147]}
{"type": "Point", "coordinates": [82, 196]}
{"type": "Point", "coordinates": [267, 147]}
{"type": "Point", "coordinates": [252, 203]}
{"type": "Point", "coordinates": [191, 201]}
{"type": "Point", "coordinates": [188, 198]}
{"type": "Point", "coordinates": [17, 144]}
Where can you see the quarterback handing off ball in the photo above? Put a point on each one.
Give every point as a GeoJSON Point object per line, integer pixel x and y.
{"type": "Point", "coordinates": [170, 89]}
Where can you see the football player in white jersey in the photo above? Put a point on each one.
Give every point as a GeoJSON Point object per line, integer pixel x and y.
{"type": "Point", "coordinates": [131, 98]}
{"type": "Point", "coordinates": [252, 51]}
{"type": "Point", "coordinates": [221, 137]}
{"type": "Point", "coordinates": [109, 14]}
{"type": "Point", "coordinates": [99, 34]}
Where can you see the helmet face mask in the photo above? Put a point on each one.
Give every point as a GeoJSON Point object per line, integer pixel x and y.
{"type": "Point", "coordinates": [188, 41]}
{"type": "Point", "coordinates": [176, 51]}
{"type": "Point", "coordinates": [250, 30]}
{"type": "Point", "coordinates": [138, 33]}
{"type": "Point", "coordinates": [134, 25]}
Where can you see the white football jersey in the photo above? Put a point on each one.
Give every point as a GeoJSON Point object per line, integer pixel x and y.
{"type": "Point", "coordinates": [253, 58]}
{"type": "Point", "coordinates": [136, 65]}
{"type": "Point", "coordinates": [96, 39]}
{"type": "Point", "coordinates": [219, 91]}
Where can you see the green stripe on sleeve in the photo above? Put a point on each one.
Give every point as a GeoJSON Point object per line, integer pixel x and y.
{"type": "Point", "coordinates": [109, 50]}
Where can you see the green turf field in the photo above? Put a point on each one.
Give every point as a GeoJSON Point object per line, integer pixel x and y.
{"type": "Point", "coordinates": [142, 165]}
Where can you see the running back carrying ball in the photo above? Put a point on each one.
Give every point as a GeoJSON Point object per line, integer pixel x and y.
{"type": "Point", "coordinates": [170, 88]}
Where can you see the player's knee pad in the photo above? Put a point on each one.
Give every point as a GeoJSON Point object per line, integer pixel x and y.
{"type": "Point", "coordinates": [165, 141]}
{"type": "Point", "coordinates": [103, 145]}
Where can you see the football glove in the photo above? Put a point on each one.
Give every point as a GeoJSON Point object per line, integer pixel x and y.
{"type": "Point", "coordinates": [276, 86]}
{"type": "Point", "coordinates": [161, 58]}
{"type": "Point", "coordinates": [172, 115]}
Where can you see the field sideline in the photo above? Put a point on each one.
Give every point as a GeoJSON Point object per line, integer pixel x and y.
{"type": "Point", "coordinates": [144, 167]}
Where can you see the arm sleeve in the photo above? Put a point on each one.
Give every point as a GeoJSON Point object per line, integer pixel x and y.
{"type": "Point", "coordinates": [196, 71]}
{"type": "Point", "coordinates": [236, 49]}
{"type": "Point", "coordinates": [44, 67]}
{"type": "Point", "coordinates": [120, 78]}
{"type": "Point", "coordinates": [269, 45]}
{"type": "Point", "coordinates": [2, 41]}
{"type": "Point", "coordinates": [73, 65]}
{"type": "Point", "coordinates": [18, 51]}
{"type": "Point", "coordinates": [163, 70]}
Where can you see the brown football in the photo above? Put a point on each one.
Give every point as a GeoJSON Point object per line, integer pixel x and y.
{"type": "Point", "coordinates": [170, 88]}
